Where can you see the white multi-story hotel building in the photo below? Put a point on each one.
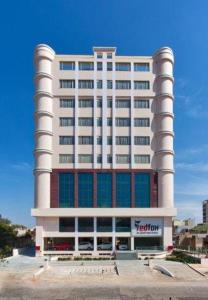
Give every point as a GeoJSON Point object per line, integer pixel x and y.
{"type": "Point", "coordinates": [103, 151]}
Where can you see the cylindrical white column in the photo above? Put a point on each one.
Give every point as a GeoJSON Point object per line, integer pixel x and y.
{"type": "Point", "coordinates": [163, 61]}
{"type": "Point", "coordinates": [44, 56]}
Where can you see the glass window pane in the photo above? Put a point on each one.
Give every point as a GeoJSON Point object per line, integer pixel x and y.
{"type": "Point", "coordinates": [86, 84]}
{"type": "Point", "coordinates": [67, 65]}
{"type": "Point", "coordinates": [67, 224]}
{"type": "Point", "coordinates": [99, 66]}
{"type": "Point", "coordinates": [63, 122]}
{"type": "Point", "coordinates": [141, 122]}
{"type": "Point", "coordinates": [142, 190]}
{"type": "Point", "coordinates": [66, 158]}
{"type": "Point", "coordinates": [85, 225]}
{"type": "Point", "coordinates": [104, 224]}
{"type": "Point", "coordinates": [67, 84]}
{"type": "Point", "coordinates": [86, 66]}
{"type": "Point", "coordinates": [104, 189]}
{"type": "Point", "coordinates": [123, 84]}
{"type": "Point", "coordinates": [123, 190]}
{"type": "Point", "coordinates": [85, 121]}
{"type": "Point", "coordinates": [141, 67]}
{"type": "Point", "coordinates": [141, 103]}
{"type": "Point", "coordinates": [141, 85]}
{"type": "Point", "coordinates": [67, 103]}
{"type": "Point", "coordinates": [66, 190]}
{"type": "Point", "coordinates": [123, 67]}
{"type": "Point", "coordinates": [85, 190]}
{"type": "Point", "coordinates": [123, 224]}
{"type": "Point", "coordinates": [142, 140]}
{"type": "Point", "coordinates": [85, 158]}
{"type": "Point", "coordinates": [86, 102]}
{"type": "Point", "coordinates": [66, 140]}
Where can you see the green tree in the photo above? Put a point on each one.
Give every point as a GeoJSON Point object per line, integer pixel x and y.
{"type": "Point", "coordinates": [7, 235]}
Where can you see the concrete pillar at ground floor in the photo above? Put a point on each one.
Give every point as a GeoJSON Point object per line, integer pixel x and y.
{"type": "Point", "coordinates": [39, 242]}
{"type": "Point", "coordinates": [132, 243]}
{"type": "Point", "coordinates": [167, 233]}
{"type": "Point", "coordinates": [76, 240]}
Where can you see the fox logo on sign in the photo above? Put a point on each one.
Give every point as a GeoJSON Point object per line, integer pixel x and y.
{"type": "Point", "coordinates": [147, 227]}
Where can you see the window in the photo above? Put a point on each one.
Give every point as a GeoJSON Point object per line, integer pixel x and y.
{"type": "Point", "coordinates": [99, 140]}
{"type": "Point", "coordinates": [85, 140]}
{"type": "Point", "coordinates": [109, 121]}
{"type": "Point", "coordinates": [85, 225]}
{"type": "Point", "coordinates": [99, 84]}
{"type": "Point", "coordinates": [141, 140]}
{"type": "Point", "coordinates": [142, 159]}
{"type": "Point", "coordinates": [66, 190]}
{"type": "Point", "coordinates": [141, 67]}
{"type": "Point", "coordinates": [104, 189]}
{"type": "Point", "coordinates": [86, 66]}
{"type": "Point", "coordinates": [85, 190]}
{"type": "Point", "coordinates": [123, 159]}
{"type": "Point", "coordinates": [141, 85]}
{"type": "Point", "coordinates": [104, 224]}
{"type": "Point", "coordinates": [99, 159]}
{"type": "Point", "coordinates": [99, 122]}
{"type": "Point", "coordinates": [141, 103]}
{"type": "Point", "coordinates": [67, 224]}
{"type": "Point", "coordinates": [66, 158]}
{"type": "Point", "coordinates": [85, 121]}
{"type": "Point", "coordinates": [109, 84]}
{"type": "Point", "coordinates": [66, 140]}
{"type": "Point", "coordinates": [123, 103]}
{"type": "Point", "coordinates": [67, 84]}
{"type": "Point", "coordinates": [66, 103]}
{"type": "Point", "coordinates": [123, 84]}
{"type": "Point", "coordinates": [123, 67]}
{"type": "Point", "coordinates": [99, 55]}
{"type": "Point", "coordinates": [109, 140]}
{"type": "Point", "coordinates": [85, 158]}
{"type": "Point", "coordinates": [141, 122]}
{"type": "Point", "coordinates": [109, 159]}
{"type": "Point", "coordinates": [123, 122]}
{"type": "Point", "coordinates": [142, 190]}
{"type": "Point", "coordinates": [123, 140]}
{"type": "Point", "coordinates": [123, 190]}
{"type": "Point", "coordinates": [86, 84]}
{"type": "Point", "coordinates": [99, 66]}
{"type": "Point", "coordinates": [67, 65]}
{"type": "Point", "coordinates": [123, 224]}
{"type": "Point", "coordinates": [85, 103]}
{"type": "Point", "coordinates": [109, 55]}
{"type": "Point", "coordinates": [99, 102]}
{"type": "Point", "coordinates": [66, 122]}
{"type": "Point", "coordinates": [109, 66]}
{"type": "Point", "coordinates": [109, 103]}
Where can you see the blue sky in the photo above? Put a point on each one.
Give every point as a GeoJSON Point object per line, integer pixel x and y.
{"type": "Point", "coordinates": [135, 27]}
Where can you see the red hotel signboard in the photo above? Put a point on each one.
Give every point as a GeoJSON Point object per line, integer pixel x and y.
{"type": "Point", "coordinates": [147, 227]}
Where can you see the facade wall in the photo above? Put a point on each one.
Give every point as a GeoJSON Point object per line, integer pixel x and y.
{"type": "Point", "coordinates": [142, 143]}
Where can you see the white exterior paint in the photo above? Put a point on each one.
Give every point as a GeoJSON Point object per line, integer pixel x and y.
{"type": "Point", "coordinates": [47, 131]}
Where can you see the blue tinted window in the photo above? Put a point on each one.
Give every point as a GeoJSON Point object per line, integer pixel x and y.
{"type": "Point", "coordinates": [142, 190]}
{"type": "Point", "coordinates": [104, 189]}
{"type": "Point", "coordinates": [66, 190]}
{"type": "Point", "coordinates": [85, 190]}
{"type": "Point", "coordinates": [123, 190]}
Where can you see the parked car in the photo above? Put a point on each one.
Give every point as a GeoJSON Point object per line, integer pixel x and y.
{"type": "Point", "coordinates": [123, 247]}
{"type": "Point", "coordinates": [85, 246]}
{"type": "Point", "coordinates": [62, 247]}
{"type": "Point", "coordinates": [104, 246]}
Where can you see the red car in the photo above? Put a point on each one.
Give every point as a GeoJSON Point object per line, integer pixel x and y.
{"type": "Point", "coordinates": [63, 247]}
